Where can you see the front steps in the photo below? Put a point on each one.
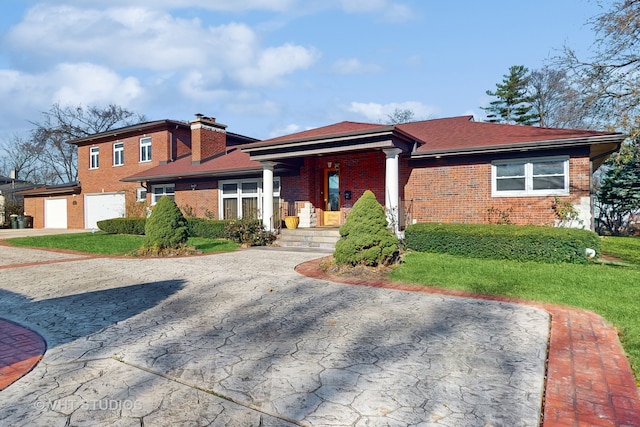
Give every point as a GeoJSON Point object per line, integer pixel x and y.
{"type": "Point", "coordinates": [317, 237]}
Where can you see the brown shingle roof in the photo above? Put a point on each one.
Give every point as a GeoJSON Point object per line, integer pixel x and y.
{"type": "Point", "coordinates": [233, 162]}
{"type": "Point", "coordinates": [462, 133]}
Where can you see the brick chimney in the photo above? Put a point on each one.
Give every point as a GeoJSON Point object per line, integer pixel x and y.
{"type": "Point", "coordinates": [208, 138]}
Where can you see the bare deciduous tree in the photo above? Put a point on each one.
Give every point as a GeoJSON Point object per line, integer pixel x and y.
{"type": "Point", "coordinates": [608, 80]}
{"type": "Point", "coordinates": [46, 156]}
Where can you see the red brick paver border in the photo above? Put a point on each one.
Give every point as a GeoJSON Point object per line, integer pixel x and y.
{"type": "Point", "coordinates": [20, 350]}
{"type": "Point", "coordinates": [589, 379]}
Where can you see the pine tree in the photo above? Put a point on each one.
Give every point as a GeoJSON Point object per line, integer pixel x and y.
{"type": "Point", "coordinates": [513, 103]}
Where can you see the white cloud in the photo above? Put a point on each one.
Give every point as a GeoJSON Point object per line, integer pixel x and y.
{"type": "Point", "coordinates": [221, 5]}
{"type": "Point", "coordinates": [144, 39]}
{"type": "Point", "coordinates": [379, 112]}
{"type": "Point", "coordinates": [286, 130]}
{"type": "Point", "coordinates": [393, 11]}
{"type": "Point", "coordinates": [353, 66]}
{"type": "Point", "coordinates": [274, 63]}
{"type": "Point", "coordinates": [67, 84]}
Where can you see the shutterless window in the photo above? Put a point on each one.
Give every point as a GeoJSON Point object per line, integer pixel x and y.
{"type": "Point", "coordinates": [162, 190]}
{"type": "Point", "coordinates": [243, 198]}
{"type": "Point", "coordinates": [118, 154]}
{"type": "Point", "coordinates": [145, 149]}
{"type": "Point", "coordinates": [141, 194]}
{"type": "Point", "coordinates": [543, 176]}
{"type": "Point", "coordinates": [94, 158]}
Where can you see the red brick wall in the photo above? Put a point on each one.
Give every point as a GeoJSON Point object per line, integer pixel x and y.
{"type": "Point", "coordinates": [205, 142]}
{"type": "Point", "coordinates": [444, 191]}
{"type": "Point", "coordinates": [204, 198]}
{"type": "Point", "coordinates": [358, 172]}
{"type": "Point", "coordinates": [34, 206]}
{"type": "Point", "coordinates": [106, 179]}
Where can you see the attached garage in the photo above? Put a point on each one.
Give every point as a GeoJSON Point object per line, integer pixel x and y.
{"type": "Point", "coordinates": [55, 213]}
{"type": "Point", "coordinates": [102, 206]}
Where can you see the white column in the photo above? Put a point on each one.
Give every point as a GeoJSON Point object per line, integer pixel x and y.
{"type": "Point", "coordinates": [391, 187]}
{"type": "Point", "coordinates": [267, 195]}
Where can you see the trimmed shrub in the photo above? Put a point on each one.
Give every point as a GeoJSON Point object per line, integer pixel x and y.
{"type": "Point", "coordinates": [364, 237]}
{"type": "Point", "coordinates": [166, 227]}
{"type": "Point", "coordinates": [513, 242]}
{"type": "Point", "coordinates": [249, 232]}
{"type": "Point", "coordinates": [123, 226]}
{"type": "Point", "coordinates": [200, 227]}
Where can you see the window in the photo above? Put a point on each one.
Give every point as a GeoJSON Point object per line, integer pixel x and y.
{"type": "Point", "coordinates": [530, 177]}
{"type": "Point", "coordinates": [94, 158]}
{"type": "Point", "coordinates": [243, 198]}
{"type": "Point", "coordinates": [118, 154]}
{"type": "Point", "coordinates": [145, 149]}
{"type": "Point", "coordinates": [141, 194]}
{"type": "Point", "coordinates": [162, 190]}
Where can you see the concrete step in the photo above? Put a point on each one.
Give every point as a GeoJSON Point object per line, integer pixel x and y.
{"type": "Point", "coordinates": [325, 238]}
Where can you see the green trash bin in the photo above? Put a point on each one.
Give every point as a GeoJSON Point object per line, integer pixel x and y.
{"type": "Point", "coordinates": [20, 222]}
{"type": "Point", "coordinates": [14, 221]}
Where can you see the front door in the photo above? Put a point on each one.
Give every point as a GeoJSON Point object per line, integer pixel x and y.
{"type": "Point", "coordinates": [331, 197]}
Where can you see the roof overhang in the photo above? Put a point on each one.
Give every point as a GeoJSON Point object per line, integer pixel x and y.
{"type": "Point", "coordinates": [51, 190]}
{"type": "Point", "coordinates": [601, 147]}
{"type": "Point", "coordinates": [380, 138]}
{"type": "Point", "coordinates": [197, 175]}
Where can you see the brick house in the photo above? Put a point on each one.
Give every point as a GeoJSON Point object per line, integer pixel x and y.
{"type": "Point", "coordinates": [445, 170]}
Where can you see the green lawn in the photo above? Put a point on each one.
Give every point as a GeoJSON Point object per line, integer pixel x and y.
{"type": "Point", "coordinates": [112, 244]}
{"type": "Point", "coordinates": [613, 291]}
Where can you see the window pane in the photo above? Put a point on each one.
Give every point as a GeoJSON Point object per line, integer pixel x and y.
{"type": "Point", "coordinates": [548, 168]}
{"type": "Point", "coordinates": [276, 186]}
{"type": "Point", "coordinates": [230, 208]}
{"type": "Point", "coordinates": [548, 183]}
{"type": "Point", "coordinates": [510, 169]}
{"type": "Point", "coordinates": [229, 188]}
{"type": "Point", "coordinates": [250, 207]}
{"type": "Point", "coordinates": [510, 184]}
{"type": "Point", "coordinates": [249, 187]}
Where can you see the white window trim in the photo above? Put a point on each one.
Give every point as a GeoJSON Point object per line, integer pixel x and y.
{"type": "Point", "coordinates": [119, 149]}
{"type": "Point", "coordinates": [94, 152]}
{"type": "Point", "coordinates": [144, 143]}
{"type": "Point", "coordinates": [164, 192]}
{"type": "Point", "coordinates": [529, 191]}
{"type": "Point", "coordinates": [239, 195]}
{"type": "Point", "coordinates": [139, 192]}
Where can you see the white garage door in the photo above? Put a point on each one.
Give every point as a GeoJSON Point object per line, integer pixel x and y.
{"type": "Point", "coordinates": [102, 206]}
{"type": "Point", "coordinates": [55, 213]}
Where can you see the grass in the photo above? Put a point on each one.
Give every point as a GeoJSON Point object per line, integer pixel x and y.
{"type": "Point", "coordinates": [612, 291]}
{"type": "Point", "coordinates": [112, 244]}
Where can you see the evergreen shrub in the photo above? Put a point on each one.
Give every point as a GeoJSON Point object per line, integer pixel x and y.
{"type": "Point", "coordinates": [512, 242]}
{"type": "Point", "coordinates": [123, 225]}
{"type": "Point", "coordinates": [166, 227]}
{"type": "Point", "coordinates": [365, 238]}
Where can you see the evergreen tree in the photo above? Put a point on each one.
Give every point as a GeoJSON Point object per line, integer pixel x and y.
{"type": "Point", "coordinates": [513, 103]}
{"type": "Point", "coordinates": [166, 227]}
{"type": "Point", "coordinates": [619, 194]}
{"type": "Point", "coordinates": [365, 238]}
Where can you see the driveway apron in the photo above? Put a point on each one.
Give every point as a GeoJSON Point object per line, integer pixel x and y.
{"type": "Point", "coordinates": [241, 339]}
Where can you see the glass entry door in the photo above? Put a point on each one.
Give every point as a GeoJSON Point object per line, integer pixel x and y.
{"type": "Point", "coordinates": [331, 197]}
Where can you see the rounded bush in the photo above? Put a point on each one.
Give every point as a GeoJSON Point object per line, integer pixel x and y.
{"type": "Point", "coordinates": [166, 227]}
{"type": "Point", "coordinates": [365, 238]}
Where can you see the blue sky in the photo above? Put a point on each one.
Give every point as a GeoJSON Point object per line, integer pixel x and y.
{"type": "Point", "coordinates": [271, 67]}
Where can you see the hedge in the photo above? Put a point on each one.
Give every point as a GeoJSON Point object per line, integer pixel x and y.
{"type": "Point", "coordinates": [512, 242]}
{"type": "Point", "coordinates": [123, 225]}
{"type": "Point", "coordinates": [198, 227]}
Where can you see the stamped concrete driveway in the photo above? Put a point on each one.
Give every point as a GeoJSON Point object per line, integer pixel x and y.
{"type": "Point", "coordinates": [241, 339]}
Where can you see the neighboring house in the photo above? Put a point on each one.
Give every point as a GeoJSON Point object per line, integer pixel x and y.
{"type": "Point", "coordinates": [9, 194]}
{"type": "Point", "coordinates": [444, 170]}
